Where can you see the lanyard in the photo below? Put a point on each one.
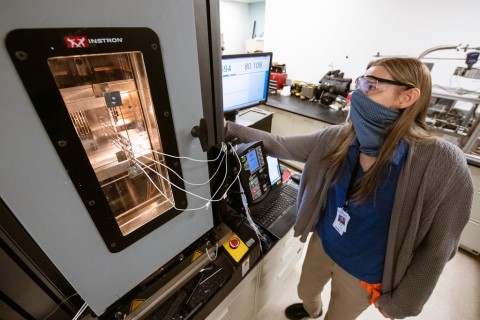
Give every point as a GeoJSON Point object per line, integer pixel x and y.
{"type": "Point", "coordinates": [351, 183]}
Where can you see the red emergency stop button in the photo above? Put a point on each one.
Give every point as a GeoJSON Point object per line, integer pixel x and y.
{"type": "Point", "coordinates": [234, 243]}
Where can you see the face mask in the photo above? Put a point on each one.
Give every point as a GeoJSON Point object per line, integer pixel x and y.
{"type": "Point", "coordinates": [370, 119]}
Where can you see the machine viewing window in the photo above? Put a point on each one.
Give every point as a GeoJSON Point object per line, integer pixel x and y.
{"type": "Point", "coordinates": [106, 109]}
{"type": "Point", "coordinates": [109, 103]}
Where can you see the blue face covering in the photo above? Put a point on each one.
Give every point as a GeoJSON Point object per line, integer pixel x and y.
{"type": "Point", "coordinates": [370, 119]}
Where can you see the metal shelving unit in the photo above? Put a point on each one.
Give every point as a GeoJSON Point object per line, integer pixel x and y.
{"type": "Point", "coordinates": [457, 119]}
{"type": "Point", "coordinates": [454, 113]}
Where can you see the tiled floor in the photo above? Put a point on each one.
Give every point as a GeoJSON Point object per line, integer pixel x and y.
{"type": "Point", "coordinates": [456, 296]}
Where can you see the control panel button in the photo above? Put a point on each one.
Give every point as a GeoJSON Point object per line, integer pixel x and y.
{"type": "Point", "coordinates": [234, 243]}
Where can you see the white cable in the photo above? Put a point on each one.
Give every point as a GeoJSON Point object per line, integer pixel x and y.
{"type": "Point", "coordinates": [216, 252]}
{"type": "Point", "coordinates": [156, 187]}
{"type": "Point", "coordinates": [187, 158]}
{"type": "Point", "coordinates": [223, 181]}
{"type": "Point", "coordinates": [187, 182]}
{"type": "Point", "coordinates": [258, 237]}
{"type": "Point", "coordinates": [252, 224]}
{"type": "Point", "coordinates": [223, 149]}
{"type": "Point", "coordinates": [233, 181]}
{"type": "Point", "coordinates": [140, 164]}
{"type": "Point", "coordinates": [60, 305]}
{"type": "Point", "coordinates": [125, 149]}
{"type": "Point", "coordinates": [208, 200]}
{"type": "Point", "coordinates": [247, 213]}
{"type": "Point", "coordinates": [79, 313]}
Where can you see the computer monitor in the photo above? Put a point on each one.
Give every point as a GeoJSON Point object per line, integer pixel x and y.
{"type": "Point", "coordinates": [245, 80]}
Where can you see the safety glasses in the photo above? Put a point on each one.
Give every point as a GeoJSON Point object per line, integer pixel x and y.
{"type": "Point", "coordinates": [372, 84]}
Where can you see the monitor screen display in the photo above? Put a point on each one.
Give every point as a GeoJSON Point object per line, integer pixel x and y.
{"type": "Point", "coordinates": [245, 80]}
{"type": "Point", "coordinates": [252, 160]}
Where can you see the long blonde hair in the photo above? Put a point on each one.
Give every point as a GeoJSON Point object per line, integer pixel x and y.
{"type": "Point", "coordinates": [410, 125]}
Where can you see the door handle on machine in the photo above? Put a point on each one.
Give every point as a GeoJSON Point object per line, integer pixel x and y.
{"type": "Point", "coordinates": [201, 132]}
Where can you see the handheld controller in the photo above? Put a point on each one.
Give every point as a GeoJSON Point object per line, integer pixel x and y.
{"type": "Point", "coordinates": [253, 167]}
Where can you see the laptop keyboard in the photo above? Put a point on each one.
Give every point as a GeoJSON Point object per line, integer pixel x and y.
{"type": "Point", "coordinates": [291, 191]}
{"type": "Point", "coordinates": [268, 213]}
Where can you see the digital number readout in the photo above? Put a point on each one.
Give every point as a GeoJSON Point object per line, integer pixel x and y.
{"type": "Point", "coordinates": [239, 67]}
{"type": "Point", "coordinates": [254, 65]}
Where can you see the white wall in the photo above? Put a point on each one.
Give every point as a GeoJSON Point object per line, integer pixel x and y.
{"type": "Point", "coordinates": [315, 36]}
{"type": "Point", "coordinates": [236, 23]}
{"type": "Point", "coordinates": [257, 14]}
{"type": "Point", "coordinates": [234, 20]}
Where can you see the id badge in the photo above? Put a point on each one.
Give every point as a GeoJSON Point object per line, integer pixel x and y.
{"type": "Point", "coordinates": [341, 221]}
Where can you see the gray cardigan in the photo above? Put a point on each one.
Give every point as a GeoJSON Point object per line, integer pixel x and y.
{"type": "Point", "coordinates": [431, 207]}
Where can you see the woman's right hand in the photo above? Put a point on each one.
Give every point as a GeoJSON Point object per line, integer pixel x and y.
{"type": "Point", "coordinates": [381, 311]}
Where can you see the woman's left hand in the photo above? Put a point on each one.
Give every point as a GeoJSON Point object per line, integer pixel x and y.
{"type": "Point", "coordinates": [381, 311]}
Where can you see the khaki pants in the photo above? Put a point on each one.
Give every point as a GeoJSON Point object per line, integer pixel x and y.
{"type": "Point", "coordinates": [347, 300]}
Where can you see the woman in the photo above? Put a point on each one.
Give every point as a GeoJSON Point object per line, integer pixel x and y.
{"type": "Point", "coordinates": [385, 200]}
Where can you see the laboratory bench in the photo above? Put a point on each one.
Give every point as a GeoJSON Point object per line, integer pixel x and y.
{"type": "Point", "coordinates": [307, 108]}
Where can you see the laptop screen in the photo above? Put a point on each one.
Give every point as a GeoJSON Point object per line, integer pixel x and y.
{"type": "Point", "coordinates": [273, 170]}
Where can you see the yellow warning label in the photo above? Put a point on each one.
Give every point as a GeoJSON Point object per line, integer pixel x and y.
{"type": "Point", "coordinates": [196, 255]}
{"type": "Point", "coordinates": [135, 303]}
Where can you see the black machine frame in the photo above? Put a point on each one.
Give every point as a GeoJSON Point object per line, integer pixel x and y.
{"type": "Point", "coordinates": [30, 50]}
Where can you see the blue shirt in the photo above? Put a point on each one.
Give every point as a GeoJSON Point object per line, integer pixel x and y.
{"type": "Point", "coordinates": [361, 249]}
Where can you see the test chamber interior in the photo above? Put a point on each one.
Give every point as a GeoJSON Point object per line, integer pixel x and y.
{"type": "Point", "coordinates": [82, 128]}
{"type": "Point", "coordinates": [116, 124]}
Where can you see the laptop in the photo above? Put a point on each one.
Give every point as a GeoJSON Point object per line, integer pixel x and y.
{"type": "Point", "coordinates": [277, 212]}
